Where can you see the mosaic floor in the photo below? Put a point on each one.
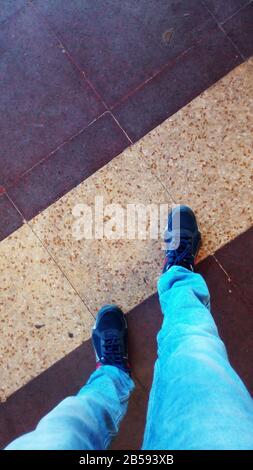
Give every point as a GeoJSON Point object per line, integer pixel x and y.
{"type": "Point", "coordinates": [136, 104]}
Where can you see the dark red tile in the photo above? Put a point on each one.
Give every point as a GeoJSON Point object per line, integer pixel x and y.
{"type": "Point", "coordinates": [10, 219]}
{"type": "Point", "coordinates": [237, 259]}
{"type": "Point", "coordinates": [132, 428]}
{"type": "Point", "coordinates": [122, 44]}
{"type": "Point", "coordinates": [22, 411]}
{"type": "Point", "coordinates": [177, 85]}
{"type": "Point", "coordinates": [44, 100]}
{"type": "Point", "coordinates": [8, 8]}
{"type": "Point", "coordinates": [69, 166]}
{"type": "Point", "coordinates": [144, 322]}
{"type": "Point", "coordinates": [234, 319]}
{"type": "Point", "coordinates": [224, 9]}
{"type": "Point", "coordinates": [240, 29]}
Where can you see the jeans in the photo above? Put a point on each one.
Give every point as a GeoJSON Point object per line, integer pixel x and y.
{"type": "Point", "coordinates": [197, 400]}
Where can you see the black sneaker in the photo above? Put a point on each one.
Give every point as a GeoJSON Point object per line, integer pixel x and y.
{"type": "Point", "coordinates": [183, 242]}
{"type": "Point", "coordinates": [109, 337]}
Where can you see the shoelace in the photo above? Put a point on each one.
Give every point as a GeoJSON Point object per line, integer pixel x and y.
{"type": "Point", "coordinates": [111, 350]}
{"type": "Point", "coordinates": [183, 253]}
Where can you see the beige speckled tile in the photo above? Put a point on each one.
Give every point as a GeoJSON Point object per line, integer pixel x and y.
{"type": "Point", "coordinates": [38, 311]}
{"type": "Point", "coordinates": [122, 271]}
{"type": "Point", "coordinates": [203, 156]}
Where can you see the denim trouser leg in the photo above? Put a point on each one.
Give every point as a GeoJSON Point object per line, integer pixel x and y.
{"type": "Point", "coordinates": [197, 400]}
{"type": "Point", "coordinates": [86, 421]}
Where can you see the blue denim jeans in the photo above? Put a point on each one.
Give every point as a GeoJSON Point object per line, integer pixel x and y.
{"type": "Point", "coordinates": [197, 400]}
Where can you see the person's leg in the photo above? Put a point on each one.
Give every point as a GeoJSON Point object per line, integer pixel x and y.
{"type": "Point", "coordinates": [90, 419]}
{"type": "Point", "coordinates": [197, 400]}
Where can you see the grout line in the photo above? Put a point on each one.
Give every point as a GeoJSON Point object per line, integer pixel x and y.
{"type": "Point", "coordinates": [208, 253]}
{"type": "Point", "coordinates": [123, 130]}
{"type": "Point", "coordinates": [237, 11]}
{"type": "Point", "coordinates": [232, 42]}
{"type": "Point", "coordinates": [220, 265]}
{"type": "Point", "coordinates": [230, 280]}
{"type": "Point", "coordinates": [135, 377]}
{"type": "Point", "coordinates": [70, 138]}
{"type": "Point", "coordinates": [16, 207]}
{"type": "Point", "coordinates": [167, 191]}
{"type": "Point", "coordinates": [61, 270]}
{"type": "Point", "coordinates": [171, 62]}
{"type": "Point", "coordinates": [50, 254]}
{"type": "Point", "coordinates": [137, 380]}
{"type": "Point", "coordinates": [229, 17]}
{"type": "Point", "coordinates": [145, 166]}
{"type": "Point", "coordinates": [69, 56]}
{"type": "Point", "coordinates": [223, 30]}
{"type": "Point", "coordinates": [90, 84]}
{"type": "Point", "coordinates": [62, 144]}
{"type": "Point", "coordinates": [27, 223]}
